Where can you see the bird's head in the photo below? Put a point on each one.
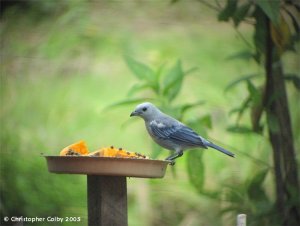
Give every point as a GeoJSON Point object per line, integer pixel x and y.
{"type": "Point", "coordinates": [147, 111]}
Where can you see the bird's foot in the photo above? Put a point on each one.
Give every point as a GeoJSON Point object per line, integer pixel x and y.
{"type": "Point", "coordinates": [173, 157]}
{"type": "Point", "coordinates": [171, 162]}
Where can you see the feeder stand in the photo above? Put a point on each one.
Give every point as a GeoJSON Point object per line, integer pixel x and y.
{"type": "Point", "coordinates": [106, 182]}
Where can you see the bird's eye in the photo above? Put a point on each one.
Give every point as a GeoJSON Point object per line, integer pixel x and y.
{"type": "Point", "coordinates": [144, 109]}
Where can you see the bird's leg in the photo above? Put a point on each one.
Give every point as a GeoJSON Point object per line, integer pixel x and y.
{"type": "Point", "coordinates": [175, 156]}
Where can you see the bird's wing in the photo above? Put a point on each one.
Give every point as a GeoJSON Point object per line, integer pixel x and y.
{"type": "Point", "coordinates": [178, 133]}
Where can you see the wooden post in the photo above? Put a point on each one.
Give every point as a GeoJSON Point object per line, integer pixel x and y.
{"type": "Point", "coordinates": [107, 200]}
{"type": "Point", "coordinates": [241, 219]}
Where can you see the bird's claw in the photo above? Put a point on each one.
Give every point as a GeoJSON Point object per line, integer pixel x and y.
{"type": "Point", "coordinates": [172, 158]}
{"type": "Point", "coordinates": [171, 162]}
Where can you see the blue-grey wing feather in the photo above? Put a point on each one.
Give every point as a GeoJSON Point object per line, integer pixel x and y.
{"type": "Point", "coordinates": [178, 134]}
{"type": "Point", "coordinates": [162, 132]}
{"type": "Point", "coordinates": [187, 136]}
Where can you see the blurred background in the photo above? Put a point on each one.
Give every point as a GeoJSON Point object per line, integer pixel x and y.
{"type": "Point", "coordinates": [68, 73]}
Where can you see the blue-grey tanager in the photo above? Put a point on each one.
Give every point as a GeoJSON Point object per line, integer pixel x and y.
{"type": "Point", "coordinates": [170, 133]}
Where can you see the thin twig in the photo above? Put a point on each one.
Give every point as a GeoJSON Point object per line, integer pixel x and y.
{"type": "Point", "coordinates": [243, 38]}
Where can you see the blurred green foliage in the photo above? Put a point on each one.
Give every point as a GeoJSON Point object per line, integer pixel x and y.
{"type": "Point", "coordinates": [276, 32]}
{"type": "Point", "coordinates": [62, 65]}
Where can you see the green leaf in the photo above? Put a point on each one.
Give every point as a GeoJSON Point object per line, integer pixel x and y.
{"type": "Point", "coordinates": [140, 70]}
{"type": "Point", "coordinates": [242, 55]}
{"type": "Point", "coordinates": [206, 121]}
{"type": "Point", "coordinates": [201, 124]}
{"type": "Point", "coordinates": [255, 95]}
{"type": "Point", "coordinates": [259, 178]}
{"type": "Point", "coordinates": [196, 173]}
{"type": "Point", "coordinates": [294, 14]}
{"type": "Point", "coordinates": [159, 71]}
{"type": "Point", "coordinates": [234, 110]}
{"type": "Point", "coordinates": [138, 87]}
{"type": "Point", "coordinates": [190, 71]}
{"type": "Point", "coordinates": [239, 129]}
{"type": "Point", "coordinates": [228, 11]}
{"type": "Point", "coordinates": [271, 8]}
{"type": "Point", "coordinates": [234, 194]}
{"type": "Point", "coordinates": [254, 189]}
{"type": "Point", "coordinates": [187, 107]}
{"type": "Point", "coordinates": [195, 168]}
{"type": "Point", "coordinates": [239, 80]}
{"type": "Point", "coordinates": [293, 78]}
{"type": "Point", "coordinates": [173, 81]}
{"type": "Point", "coordinates": [127, 102]}
{"type": "Point", "coordinates": [169, 109]}
{"type": "Point", "coordinates": [241, 13]}
{"type": "Point", "coordinates": [240, 110]}
{"type": "Point", "coordinates": [156, 84]}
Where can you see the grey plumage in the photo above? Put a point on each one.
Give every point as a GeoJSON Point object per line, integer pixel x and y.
{"type": "Point", "coordinates": [170, 133]}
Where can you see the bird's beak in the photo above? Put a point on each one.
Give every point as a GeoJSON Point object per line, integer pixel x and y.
{"type": "Point", "coordinates": [134, 113]}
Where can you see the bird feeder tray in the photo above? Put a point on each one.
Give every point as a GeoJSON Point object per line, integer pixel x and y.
{"type": "Point", "coordinates": [108, 166]}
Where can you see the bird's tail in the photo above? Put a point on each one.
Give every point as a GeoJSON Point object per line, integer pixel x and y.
{"type": "Point", "coordinates": [212, 145]}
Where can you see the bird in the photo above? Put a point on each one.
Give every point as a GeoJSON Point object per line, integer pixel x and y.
{"type": "Point", "coordinates": [170, 133]}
